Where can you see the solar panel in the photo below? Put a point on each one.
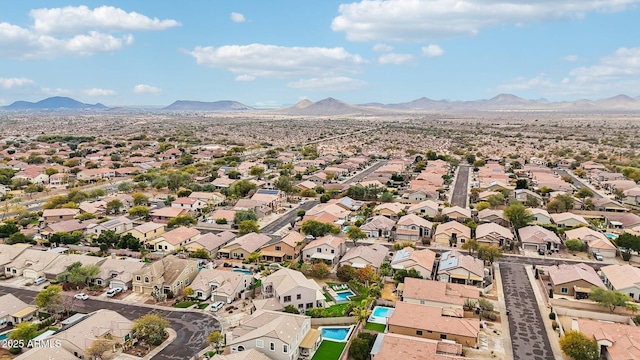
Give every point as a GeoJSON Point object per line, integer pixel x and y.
{"type": "Point", "coordinates": [268, 192]}
{"type": "Point", "coordinates": [111, 223]}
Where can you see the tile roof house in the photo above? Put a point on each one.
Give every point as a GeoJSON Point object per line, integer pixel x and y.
{"type": "Point", "coordinates": [30, 264]}
{"type": "Point", "coordinates": [423, 261]}
{"type": "Point", "coordinates": [492, 216]}
{"type": "Point", "coordinates": [327, 248]}
{"type": "Point", "coordinates": [242, 247]}
{"type": "Point", "coordinates": [165, 214]}
{"type": "Point", "coordinates": [452, 231]}
{"type": "Point", "coordinates": [220, 285]}
{"type": "Point", "coordinates": [13, 311]}
{"type": "Point", "coordinates": [624, 278]}
{"type": "Point", "coordinates": [378, 226]}
{"type": "Point", "coordinates": [433, 323]}
{"type": "Point", "coordinates": [167, 274]}
{"type": "Point", "coordinates": [291, 287]}
{"type": "Point", "coordinates": [118, 225]}
{"type": "Point", "coordinates": [429, 208]}
{"type": "Point", "coordinates": [147, 231]}
{"type": "Point", "coordinates": [390, 210]}
{"type": "Point", "coordinates": [61, 263]}
{"type": "Point", "coordinates": [535, 237]}
{"type": "Point", "coordinates": [285, 249]}
{"type": "Point", "coordinates": [391, 346]}
{"type": "Point", "coordinates": [567, 219]}
{"type": "Point", "coordinates": [412, 227]}
{"type": "Point", "coordinates": [438, 294]}
{"type": "Point", "coordinates": [617, 341]}
{"type": "Point", "coordinates": [57, 215]}
{"type": "Point", "coordinates": [540, 216]}
{"type": "Point", "coordinates": [459, 268]}
{"type": "Point", "coordinates": [457, 213]}
{"type": "Point", "coordinates": [362, 256]}
{"type": "Point", "coordinates": [281, 335]}
{"type": "Point", "coordinates": [211, 242]}
{"type": "Point", "coordinates": [573, 279]}
{"type": "Point", "coordinates": [596, 241]}
{"type": "Point", "coordinates": [8, 253]}
{"type": "Point", "coordinates": [117, 273]}
{"type": "Point", "coordinates": [174, 239]}
{"type": "Point", "coordinates": [250, 354]}
{"type": "Point", "coordinates": [493, 234]}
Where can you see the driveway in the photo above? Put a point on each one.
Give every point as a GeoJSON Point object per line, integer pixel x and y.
{"type": "Point", "coordinates": [528, 335]}
{"type": "Point", "coordinates": [192, 327]}
{"type": "Point", "coordinates": [287, 218]}
{"type": "Point", "coordinates": [459, 196]}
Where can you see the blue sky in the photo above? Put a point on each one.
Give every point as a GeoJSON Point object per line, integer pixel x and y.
{"type": "Point", "coordinates": [277, 52]}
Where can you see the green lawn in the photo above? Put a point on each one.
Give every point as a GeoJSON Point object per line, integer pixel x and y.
{"type": "Point", "coordinates": [184, 304]}
{"type": "Point", "coordinates": [202, 306]}
{"type": "Point", "coordinates": [375, 327]}
{"type": "Point", "coordinates": [336, 310]}
{"type": "Point", "coordinates": [329, 350]}
{"type": "Point", "coordinates": [327, 297]}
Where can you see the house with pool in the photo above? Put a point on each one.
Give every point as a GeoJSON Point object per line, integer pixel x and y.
{"type": "Point", "coordinates": [291, 287]}
{"type": "Point", "coordinates": [220, 285]}
{"type": "Point", "coordinates": [280, 336]}
{"type": "Point", "coordinates": [437, 293]}
{"type": "Point", "coordinates": [327, 248]}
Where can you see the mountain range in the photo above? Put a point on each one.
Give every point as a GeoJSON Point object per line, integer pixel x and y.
{"type": "Point", "coordinates": [333, 107]}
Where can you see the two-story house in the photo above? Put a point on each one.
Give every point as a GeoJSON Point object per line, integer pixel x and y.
{"type": "Point", "coordinates": [174, 239]}
{"type": "Point", "coordinates": [220, 285]}
{"type": "Point", "coordinates": [412, 227]}
{"type": "Point", "coordinates": [169, 274]}
{"type": "Point", "coordinates": [285, 249]}
{"type": "Point", "coordinates": [327, 248]}
{"type": "Point", "coordinates": [117, 273]}
{"type": "Point", "coordinates": [291, 287]}
{"type": "Point", "coordinates": [242, 247]}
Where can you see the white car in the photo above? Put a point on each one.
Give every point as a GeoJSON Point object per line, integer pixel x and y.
{"type": "Point", "coordinates": [217, 305]}
{"type": "Point", "coordinates": [113, 291]}
{"type": "Point", "coordinates": [81, 296]}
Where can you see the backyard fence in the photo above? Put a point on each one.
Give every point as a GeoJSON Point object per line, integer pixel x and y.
{"type": "Point", "coordinates": [343, 320]}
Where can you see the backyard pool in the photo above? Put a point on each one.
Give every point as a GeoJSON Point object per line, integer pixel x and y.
{"type": "Point", "coordinates": [611, 236]}
{"type": "Point", "coordinates": [336, 333]}
{"type": "Point", "coordinates": [343, 296]}
{"type": "Point", "coordinates": [5, 335]}
{"type": "Point", "coordinates": [248, 272]}
{"type": "Point", "coordinates": [380, 314]}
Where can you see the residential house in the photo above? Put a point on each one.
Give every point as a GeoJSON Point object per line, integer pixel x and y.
{"type": "Point", "coordinates": [259, 207]}
{"type": "Point", "coordinates": [56, 215]}
{"type": "Point", "coordinates": [192, 205]}
{"type": "Point", "coordinates": [291, 287]}
{"type": "Point", "coordinates": [379, 226]}
{"type": "Point", "coordinates": [242, 247]}
{"type": "Point", "coordinates": [426, 208]}
{"type": "Point", "coordinates": [30, 264]}
{"type": "Point", "coordinates": [395, 346]}
{"type": "Point", "coordinates": [452, 232]}
{"type": "Point", "coordinates": [362, 256]}
{"type": "Point", "coordinates": [8, 253]}
{"type": "Point", "coordinates": [492, 216]}
{"type": "Point", "coordinates": [438, 294]}
{"type": "Point", "coordinates": [540, 216]}
{"type": "Point", "coordinates": [390, 210]}
{"type": "Point", "coordinates": [595, 241]}
{"type": "Point", "coordinates": [285, 249]}
{"type": "Point", "coordinates": [174, 239]}
{"type": "Point", "coordinates": [220, 285]}
{"type": "Point", "coordinates": [68, 227]}
{"type": "Point", "coordinates": [13, 311]}
{"type": "Point", "coordinates": [347, 203]}
{"type": "Point", "coordinates": [456, 267]}
{"type": "Point", "coordinates": [606, 204]}
{"type": "Point", "coordinates": [574, 280]}
{"type": "Point", "coordinates": [102, 323]}
{"type": "Point", "coordinates": [433, 323]}
{"type": "Point", "coordinates": [118, 225]}
{"type": "Point", "coordinates": [456, 213]}
{"type": "Point", "coordinates": [422, 261]}
{"type": "Point", "coordinates": [413, 228]}
{"type": "Point", "coordinates": [270, 197]}
{"type": "Point", "coordinates": [169, 274]}
{"type": "Point", "coordinates": [631, 196]}
{"type": "Point", "coordinates": [535, 237]}
{"type": "Point", "coordinates": [163, 215]}
{"type": "Point", "coordinates": [567, 219]}
{"type": "Point", "coordinates": [494, 234]}
{"type": "Point", "coordinates": [62, 262]}
{"type": "Point", "coordinates": [615, 341]}
{"type": "Point", "coordinates": [523, 195]}
{"type": "Point", "coordinates": [208, 197]}
{"type": "Point", "coordinates": [280, 336]}
{"type": "Point", "coordinates": [250, 354]}
{"type": "Point", "coordinates": [327, 248]}
{"type": "Point", "coordinates": [211, 242]}
{"type": "Point", "coordinates": [147, 231]}
{"type": "Point", "coordinates": [624, 278]}
{"type": "Point", "coordinates": [117, 273]}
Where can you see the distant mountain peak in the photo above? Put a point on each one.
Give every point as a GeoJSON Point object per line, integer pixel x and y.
{"type": "Point", "coordinates": [54, 103]}
{"type": "Point", "coordinates": [222, 105]}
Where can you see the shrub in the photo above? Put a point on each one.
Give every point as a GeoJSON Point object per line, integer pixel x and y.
{"type": "Point", "coordinates": [626, 255]}
{"type": "Point", "coordinates": [221, 221]}
{"type": "Point", "coordinates": [316, 312]}
{"type": "Point", "coordinates": [552, 315]}
{"type": "Point", "coordinates": [554, 324]}
{"type": "Point", "coordinates": [170, 295]}
{"type": "Point", "coordinates": [491, 316]}
{"type": "Point", "coordinates": [15, 350]}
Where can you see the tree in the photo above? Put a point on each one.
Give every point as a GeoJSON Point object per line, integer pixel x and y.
{"type": "Point", "coordinates": [561, 203]}
{"type": "Point", "coordinates": [254, 257]}
{"type": "Point", "coordinates": [109, 238]}
{"type": "Point", "coordinates": [242, 188]}
{"type": "Point", "coordinates": [583, 193]}
{"type": "Point", "coordinates": [471, 245]}
{"type": "Point", "coordinates": [150, 328]}
{"type": "Point", "coordinates": [532, 201]}
{"type": "Point", "coordinates": [579, 346]}
{"type": "Point", "coordinates": [77, 274]}
{"type": "Point", "coordinates": [188, 292]}
{"type": "Point", "coordinates": [248, 226]}
{"type": "Point", "coordinates": [114, 206]}
{"type": "Point", "coordinates": [346, 273]}
{"type": "Point", "coordinates": [215, 340]}
{"type": "Point", "coordinates": [386, 197]}
{"type": "Point", "coordinates": [96, 193]}
{"type": "Point", "coordinates": [139, 211]}
{"type": "Point", "coordinates": [354, 234]}
{"type": "Point", "coordinates": [200, 254]}
{"type": "Point", "coordinates": [489, 253]}
{"type": "Point", "coordinates": [140, 199]}
{"type": "Point", "coordinates": [256, 171]}
{"type": "Point", "coordinates": [125, 187]}
{"type": "Point", "coordinates": [361, 346]}
{"type": "Point", "coordinates": [17, 238]}
{"type": "Point", "coordinates": [99, 347]}
{"type": "Point", "coordinates": [291, 309]}
{"type": "Point", "coordinates": [522, 184]}
{"type": "Point", "coordinates": [496, 199]}
{"type": "Point", "coordinates": [367, 274]}
{"type": "Point", "coordinates": [401, 274]}
{"type": "Point", "coordinates": [184, 192]}
{"type": "Point", "coordinates": [130, 242]}
{"type": "Point", "coordinates": [242, 215]}
{"type": "Point", "coordinates": [284, 184]}
{"type": "Point", "coordinates": [320, 270]}
{"type": "Point", "coordinates": [50, 299]}
{"type": "Point", "coordinates": [317, 229]}
{"type": "Point", "coordinates": [24, 332]}
{"type": "Point", "coordinates": [629, 241]}
{"type": "Point", "coordinates": [7, 230]}
{"type": "Point", "coordinates": [181, 220]}
{"type": "Point", "coordinates": [518, 215]}
{"type": "Point", "coordinates": [482, 205]}
{"type": "Point", "coordinates": [609, 298]}
{"type": "Point", "coordinates": [574, 244]}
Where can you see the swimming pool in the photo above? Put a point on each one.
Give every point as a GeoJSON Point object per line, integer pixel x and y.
{"type": "Point", "coordinates": [248, 272]}
{"type": "Point", "coordinates": [380, 314]}
{"type": "Point", "coordinates": [336, 333]}
{"type": "Point", "coordinates": [611, 236]}
{"type": "Point", "coordinates": [5, 335]}
{"type": "Point", "coordinates": [343, 296]}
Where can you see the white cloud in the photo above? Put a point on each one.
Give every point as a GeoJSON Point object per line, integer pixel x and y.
{"type": "Point", "coordinates": [71, 19]}
{"type": "Point", "coordinates": [245, 77]}
{"type": "Point", "coordinates": [396, 59]}
{"type": "Point", "coordinates": [382, 48]}
{"type": "Point", "coordinates": [432, 51]}
{"type": "Point", "coordinates": [9, 83]}
{"type": "Point", "coordinates": [146, 89]}
{"type": "Point", "coordinates": [237, 17]}
{"type": "Point", "coordinates": [423, 20]}
{"type": "Point", "coordinates": [100, 92]}
{"type": "Point", "coordinates": [614, 74]}
{"type": "Point", "coordinates": [340, 83]}
{"type": "Point", "coordinates": [55, 92]}
{"type": "Point", "coordinates": [260, 60]}
{"type": "Point", "coordinates": [571, 58]}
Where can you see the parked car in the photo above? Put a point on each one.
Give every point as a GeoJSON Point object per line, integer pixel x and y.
{"type": "Point", "coordinates": [113, 292]}
{"type": "Point", "coordinates": [598, 257]}
{"type": "Point", "coordinates": [39, 281]}
{"type": "Point", "coordinates": [217, 305]}
{"type": "Point", "coordinates": [81, 296]}
{"type": "Point", "coordinates": [541, 251]}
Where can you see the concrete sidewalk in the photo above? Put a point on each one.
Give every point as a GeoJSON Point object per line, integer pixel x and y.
{"type": "Point", "coordinates": [502, 308]}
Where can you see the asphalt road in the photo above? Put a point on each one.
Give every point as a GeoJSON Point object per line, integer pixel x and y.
{"type": "Point", "coordinates": [459, 196]}
{"type": "Point", "coordinates": [286, 219]}
{"type": "Point", "coordinates": [192, 328]}
{"type": "Point", "coordinates": [529, 337]}
{"type": "Point", "coordinates": [577, 182]}
{"type": "Point", "coordinates": [365, 172]}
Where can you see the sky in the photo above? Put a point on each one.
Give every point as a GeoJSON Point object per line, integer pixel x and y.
{"type": "Point", "coordinates": [278, 52]}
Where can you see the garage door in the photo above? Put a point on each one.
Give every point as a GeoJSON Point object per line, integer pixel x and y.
{"type": "Point", "coordinates": [531, 247]}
